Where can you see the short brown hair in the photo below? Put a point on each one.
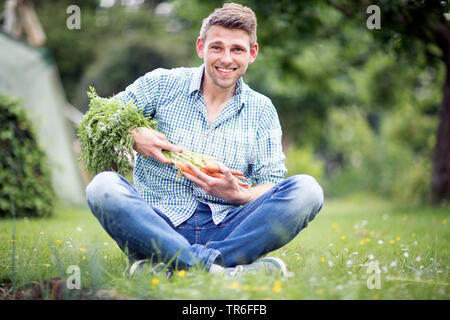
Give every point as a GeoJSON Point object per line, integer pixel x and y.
{"type": "Point", "coordinates": [232, 16]}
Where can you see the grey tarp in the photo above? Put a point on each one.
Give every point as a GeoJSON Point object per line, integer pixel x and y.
{"type": "Point", "coordinates": [28, 73]}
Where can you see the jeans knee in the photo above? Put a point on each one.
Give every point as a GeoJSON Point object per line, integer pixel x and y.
{"type": "Point", "coordinates": [99, 185]}
{"type": "Point", "coordinates": [309, 190]}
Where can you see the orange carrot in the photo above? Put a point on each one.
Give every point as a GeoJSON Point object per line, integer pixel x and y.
{"type": "Point", "coordinates": [213, 166]}
{"type": "Point", "coordinates": [213, 174]}
{"type": "Point", "coordinates": [184, 167]}
{"type": "Point", "coordinates": [242, 184]}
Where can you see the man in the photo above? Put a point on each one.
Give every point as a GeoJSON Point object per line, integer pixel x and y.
{"type": "Point", "coordinates": [198, 220]}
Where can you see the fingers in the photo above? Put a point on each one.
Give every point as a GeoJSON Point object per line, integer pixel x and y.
{"type": "Point", "coordinates": [161, 136]}
{"type": "Point", "coordinates": [164, 144]}
{"type": "Point", "coordinates": [195, 180]}
{"type": "Point", "coordinates": [199, 174]}
{"type": "Point", "coordinates": [172, 147]}
{"type": "Point", "coordinates": [225, 170]}
{"type": "Point", "coordinates": [158, 155]}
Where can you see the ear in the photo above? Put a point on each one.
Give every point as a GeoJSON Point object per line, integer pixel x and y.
{"type": "Point", "coordinates": [253, 53]}
{"type": "Point", "coordinates": [200, 47]}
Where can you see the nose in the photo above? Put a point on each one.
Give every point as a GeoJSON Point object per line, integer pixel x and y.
{"type": "Point", "coordinates": [226, 57]}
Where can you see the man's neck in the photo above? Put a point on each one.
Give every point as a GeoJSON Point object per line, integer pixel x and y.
{"type": "Point", "coordinates": [215, 98]}
{"type": "Point", "coordinates": [215, 95]}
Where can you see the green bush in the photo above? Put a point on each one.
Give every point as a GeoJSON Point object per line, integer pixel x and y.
{"type": "Point", "coordinates": [24, 174]}
{"type": "Point", "coordinates": [301, 160]}
{"type": "Point", "coordinates": [394, 162]}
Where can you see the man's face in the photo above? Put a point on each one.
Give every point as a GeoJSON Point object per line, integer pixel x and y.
{"type": "Point", "coordinates": [226, 54]}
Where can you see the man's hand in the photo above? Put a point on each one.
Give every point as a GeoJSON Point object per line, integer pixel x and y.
{"type": "Point", "coordinates": [150, 143]}
{"type": "Point", "coordinates": [225, 188]}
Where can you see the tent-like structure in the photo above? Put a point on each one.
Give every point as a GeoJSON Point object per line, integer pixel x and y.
{"type": "Point", "coordinates": [28, 72]}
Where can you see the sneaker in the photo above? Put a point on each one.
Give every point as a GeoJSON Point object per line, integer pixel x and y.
{"type": "Point", "coordinates": [151, 268]}
{"type": "Point", "coordinates": [270, 265]}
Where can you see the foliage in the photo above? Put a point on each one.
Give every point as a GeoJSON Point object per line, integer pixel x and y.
{"type": "Point", "coordinates": [103, 31]}
{"type": "Point", "coordinates": [301, 160]}
{"type": "Point", "coordinates": [25, 180]}
{"type": "Point", "coordinates": [126, 61]}
{"type": "Point", "coordinates": [396, 162]}
{"type": "Point", "coordinates": [315, 59]}
{"type": "Point", "coordinates": [105, 135]}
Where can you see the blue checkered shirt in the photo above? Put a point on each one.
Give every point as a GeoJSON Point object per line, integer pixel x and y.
{"type": "Point", "coordinates": [246, 136]}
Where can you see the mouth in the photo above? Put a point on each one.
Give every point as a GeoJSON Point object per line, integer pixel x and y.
{"type": "Point", "coordinates": [225, 71]}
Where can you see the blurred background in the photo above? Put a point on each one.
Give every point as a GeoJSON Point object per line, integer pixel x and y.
{"type": "Point", "coordinates": [362, 110]}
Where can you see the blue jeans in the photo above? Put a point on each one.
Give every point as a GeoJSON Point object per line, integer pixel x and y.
{"type": "Point", "coordinates": [247, 232]}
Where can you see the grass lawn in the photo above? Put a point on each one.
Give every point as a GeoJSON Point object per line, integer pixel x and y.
{"type": "Point", "coordinates": [330, 259]}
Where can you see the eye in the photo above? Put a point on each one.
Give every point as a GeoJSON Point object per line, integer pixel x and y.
{"type": "Point", "coordinates": [238, 49]}
{"type": "Point", "coordinates": [215, 48]}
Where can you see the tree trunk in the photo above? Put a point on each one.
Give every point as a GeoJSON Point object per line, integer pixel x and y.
{"type": "Point", "coordinates": [441, 163]}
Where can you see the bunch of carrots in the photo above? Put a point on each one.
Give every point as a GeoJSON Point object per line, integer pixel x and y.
{"type": "Point", "coordinates": [204, 163]}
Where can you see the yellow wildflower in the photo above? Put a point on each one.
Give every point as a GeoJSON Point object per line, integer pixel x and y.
{"type": "Point", "coordinates": [343, 237]}
{"type": "Point", "coordinates": [277, 286]}
{"type": "Point", "coordinates": [235, 285]}
{"type": "Point", "coordinates": [391, 241]}
{"type": "Point", "coordinates": [322, 259]}
{"type": "Point", "coordinates": [155, 281]}
{"type": "Point", "coordinates": [397, 238]}
{"type": "Point", "coordinates": [181, 273]}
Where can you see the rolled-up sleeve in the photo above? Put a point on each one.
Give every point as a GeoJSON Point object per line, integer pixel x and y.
{"type": "Point", "coordinates": [269, 158]}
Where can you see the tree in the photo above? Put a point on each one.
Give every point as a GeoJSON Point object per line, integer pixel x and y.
{"type": "Point", "coordinates": [416, 30]}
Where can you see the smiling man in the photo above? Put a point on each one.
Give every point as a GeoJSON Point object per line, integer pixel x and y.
{"type": "Point", "coordinates": [200, 220]}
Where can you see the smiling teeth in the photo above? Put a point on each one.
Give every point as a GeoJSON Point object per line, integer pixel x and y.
{"type": "Point", "coordinates": [225, 70]}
